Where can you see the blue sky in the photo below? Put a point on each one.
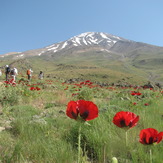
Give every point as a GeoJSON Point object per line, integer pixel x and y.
{"type": "Point", "coordinates": [32, 24]}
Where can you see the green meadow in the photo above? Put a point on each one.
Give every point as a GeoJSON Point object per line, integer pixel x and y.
{"type": "Point", "coordinates": [34, 127]}
{"type": "Point", "coordinates": [137, 68]}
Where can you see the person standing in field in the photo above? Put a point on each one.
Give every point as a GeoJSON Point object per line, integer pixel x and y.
{"type": "Point", "coordinates": [7, 72]}
{"type": "Point", "coordinates": [41, 75]}
{"type": "Point", "coordinates": [29, 74]}
{"type": "Point", "coordinates": [13, 73]}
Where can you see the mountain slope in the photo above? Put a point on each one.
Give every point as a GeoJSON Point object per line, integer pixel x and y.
{"type": "Point", "coordinates": [89, 41]}
{"type": "Point", "coordinates": [94, 54]}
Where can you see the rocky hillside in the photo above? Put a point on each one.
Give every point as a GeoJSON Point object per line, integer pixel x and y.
{"type": "Point", "coordinates": [95, 54]}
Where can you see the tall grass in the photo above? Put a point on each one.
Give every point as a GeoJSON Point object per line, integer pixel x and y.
{"type": "Point", "coordinates": [43, 133]}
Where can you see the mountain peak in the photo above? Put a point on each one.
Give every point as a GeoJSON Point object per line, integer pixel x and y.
{"type": "Point", "coordinates": [98, 41]}
{"type": "Point", "coordinates": [87, 39]}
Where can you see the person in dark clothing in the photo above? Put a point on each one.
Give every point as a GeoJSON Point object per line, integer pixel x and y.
{"type": "Point", "coordinates": [7, 72]}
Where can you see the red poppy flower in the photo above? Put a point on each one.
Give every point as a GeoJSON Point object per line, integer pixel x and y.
{"type": "Point", "coordinates": [150, 136]}
{"type": "Point", "coordinates": [125, 119]}
{"type": "Point", "coordinates": [133, 93]}
{"type": "Point", "coordinates": [87, 110]}
{"type": "Point", "coordinates": [6, 82]}
{"type": "Point", "coordinates": [32, 88]}
{"type": "Point", "coordinates": [87, 81]}
{"type": "Point", "coordinates": [37, 88]}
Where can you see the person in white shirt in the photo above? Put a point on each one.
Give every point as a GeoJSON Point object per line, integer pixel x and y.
{"type": "Point", "coordinates": [13, 73]}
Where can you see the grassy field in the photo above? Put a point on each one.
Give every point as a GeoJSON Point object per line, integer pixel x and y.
{"type": "Point", "coordinates": [83, 68]}
{"type": "Point", "coordinates": [35, 128]}
{"type": "Point", "coordinates": [137, 67]}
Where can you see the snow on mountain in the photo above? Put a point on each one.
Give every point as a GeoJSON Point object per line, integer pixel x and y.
{"type": "Point", "coordinates": [87, 39]}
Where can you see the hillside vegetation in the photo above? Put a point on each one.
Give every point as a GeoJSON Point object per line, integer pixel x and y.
{"type": "Point", "coordinates": [96, 56]}
{"type": "Point", "coordinates": [94, 105]}
{"type": "Point", "coordinates": [95, 66]}
{"type": "Point", "coordinates": [34, 127]}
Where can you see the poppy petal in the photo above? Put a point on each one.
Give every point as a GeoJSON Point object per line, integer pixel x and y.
{"type": "Point", "coordinates": [149, 136]}
{"type": "Point", "coordinates": [134, 122]}
{"type": "Point", "coordinates": [160, 137]}
{"type": "Point", "coordinates": [87, 109]}
{"type": "Point", "coordinates": [125, 119]}
{"type": "Point", "coordinates": [72, 111]}
{"type": "Point", "coordinates": [119, 119]}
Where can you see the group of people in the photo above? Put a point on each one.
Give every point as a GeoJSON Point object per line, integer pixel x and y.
{"type": "Point", "coordinates": [12, 73]}
{"type": "Point", "coordinates": [29, 74]}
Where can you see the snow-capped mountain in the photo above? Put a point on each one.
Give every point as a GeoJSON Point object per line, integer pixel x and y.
{"type": "Point", "coordinates": [86, 40]}
{"type": "Point", "coordinates": [90, 51]}
{"type": "Point", "coordinates": [92, 41]}
{"type": "Point", "coordinates": [95, 41]}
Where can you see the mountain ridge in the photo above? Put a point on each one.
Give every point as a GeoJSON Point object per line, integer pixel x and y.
{"type": "Point", "coordinates": [105, 41]}
{"type": "Point", "coordinates": [94, 55]}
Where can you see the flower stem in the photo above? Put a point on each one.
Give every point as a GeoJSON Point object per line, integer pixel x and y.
{"type": "Point", "coordinates": [150, 153]}
{"type": "Point", "coordinates": [79, 143]}
{"type": "Point", "coordinates": [126, 138]}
